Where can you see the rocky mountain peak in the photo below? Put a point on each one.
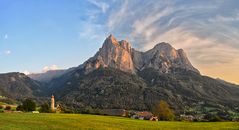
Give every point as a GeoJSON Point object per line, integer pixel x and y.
{"type": "Point", "coordinates": [125, 45]}
{"type": "Point", "coordinates": [114, 54]}
{"type": "Point", "coordinates": [120, 55]}
{"type": "Point", "coordinates": [164, 49]}
{"type": "Point", "coordinates": [163, 45]}
{"type": "Point", "coordinates": [165, 58]}
{"type": "Point", "coordinates": [111, 40]}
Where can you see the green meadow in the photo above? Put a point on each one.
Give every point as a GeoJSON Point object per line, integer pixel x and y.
{"type": "Point", "coordinates": [26, 121]}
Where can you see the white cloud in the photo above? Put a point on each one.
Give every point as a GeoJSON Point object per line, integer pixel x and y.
{"type": "Point", "coordinates": [7, 52]}
{"type": "Point", "coordinates": [89, 32]}
{"type": "Point", "coordinates": [48, 68]}
{"type": "Point", "coordinates": [26, 72]}
{"type": "Point", "coordinates": [140, 26]}
{"type": "Point", "coordinates": [203, 52]}
{"type": "Point", "coordinates": [220, 18]}
{"type": "Point", "coordinates": [103, 6]}
{"type": "Point", "coordinates": [6, 36]}
{"type": "Point", "coordinates": [118, 16]}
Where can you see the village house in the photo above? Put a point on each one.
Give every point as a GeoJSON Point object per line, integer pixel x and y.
{"type": "Point", "coordinates": [144, 115]}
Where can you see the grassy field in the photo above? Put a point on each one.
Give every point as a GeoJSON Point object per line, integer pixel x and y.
{"type": "Point", "coordinates": [27, 121]}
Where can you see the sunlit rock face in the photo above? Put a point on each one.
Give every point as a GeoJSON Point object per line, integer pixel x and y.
{"type": "Point", "coordinates": [115, 54]}
{"type": "Point", "coordinates": [163, 57]}
{"type": "Point", "coordinates": [119, 54]}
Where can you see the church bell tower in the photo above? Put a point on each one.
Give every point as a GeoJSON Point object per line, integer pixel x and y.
{"type": "Point", "coordinates": [52, 103]}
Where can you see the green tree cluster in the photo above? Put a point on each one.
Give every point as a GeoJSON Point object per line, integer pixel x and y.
{"type": "Point", "coordinates": [27, 105]}
{"type": "Point", "coordinates": [45, 108]}
{"type": "Point", "coordinates": [163, 111]}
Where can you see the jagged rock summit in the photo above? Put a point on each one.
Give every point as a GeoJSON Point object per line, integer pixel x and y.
{"type": "Point", "coordinates": [120, 55]}
{"type": "Point", "coordinates": [114, 54]}
{"type": "Point", "coordinates": [164, 58]}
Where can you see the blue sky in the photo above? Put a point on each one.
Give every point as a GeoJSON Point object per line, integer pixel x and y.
{"type": "Point", "coordinates": [36, 36]}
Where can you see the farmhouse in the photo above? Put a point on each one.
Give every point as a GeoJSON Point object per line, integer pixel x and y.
{"type": "Point", "coordinates": [144, 115]}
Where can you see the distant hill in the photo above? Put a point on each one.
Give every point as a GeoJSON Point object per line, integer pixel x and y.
{"type": "Point", "coordinates": [18, 86]}
{"type": "Point", "coordinates": [47, 76]}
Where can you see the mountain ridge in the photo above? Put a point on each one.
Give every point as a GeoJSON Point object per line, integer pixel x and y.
{"type": "Point", "coordinates": [120, 55]}
{"type": "Point", "coordinates": [17, 86]}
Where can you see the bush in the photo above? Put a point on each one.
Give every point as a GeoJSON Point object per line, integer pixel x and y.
{"type": "Point", "coordinates": [29, 105]}
{"type": "Point", "coordinates": [216, 119]}
{"type": "Point", "coordinates": [213, 118]}
{"type": "Point", "coordinates": [8, 108]}
{"type": "Point", "coordinates": [1, 107]}
{"type": "Point", "coordinates": [19, 108]}
{"type": "Point", "coordinates": [44, 108]}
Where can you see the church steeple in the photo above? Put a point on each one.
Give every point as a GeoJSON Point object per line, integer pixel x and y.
{"type": "Point", "coordinates": [52, 103]}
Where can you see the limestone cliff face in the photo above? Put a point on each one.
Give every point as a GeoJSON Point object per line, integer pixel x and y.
{"type": "Point", "coordinates": [119, 54]}
{"type": "Point", "coordinates": [114, 54]}
{"type": "Point", "coordinates": [163, 57]}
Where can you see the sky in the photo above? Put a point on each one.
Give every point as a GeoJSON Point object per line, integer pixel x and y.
{"type": "Point", "coordinates": [41, 35]}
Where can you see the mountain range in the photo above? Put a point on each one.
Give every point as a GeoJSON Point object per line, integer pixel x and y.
{"type": "Point", "coordinates": [119, 76]}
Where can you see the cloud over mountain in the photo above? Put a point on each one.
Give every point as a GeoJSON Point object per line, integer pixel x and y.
{"type": "Point", "coordinates": [48, 68]}
{"type": "Point", "coordinates": [208, 30]}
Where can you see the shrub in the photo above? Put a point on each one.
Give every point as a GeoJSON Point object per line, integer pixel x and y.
{"type": "Point", "coordinates": [19, 108]}
{"type": "Point", "coordinates": [8, 108]}
{"type": "Point", "coordinates": [68, 111]}
{"type": "Point", "coordinates": [213, 118]}
{"type": "Point", "coordinates": [29, 105]}
{"type": "Point", "coordinates": [1, 107]}
{"type": "Point", "coordinates": [216, 119]}
{"type": "Point", "coordinates": [45, 108]}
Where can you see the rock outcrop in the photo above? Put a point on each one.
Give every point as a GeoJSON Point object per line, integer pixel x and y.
{"type": "Point", "coordinates": [164, 58]}
{"type": "Point", "coordinates": [119, 55]}
{"type": "Point", "coordinates": [114, 54]}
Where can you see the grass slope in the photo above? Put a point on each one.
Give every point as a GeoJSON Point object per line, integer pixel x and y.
{"type": "Point", "coordinates": [93, 122]}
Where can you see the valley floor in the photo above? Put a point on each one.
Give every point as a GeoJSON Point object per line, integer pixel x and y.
{"type": "Point", "coordinates": [27, 121]}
